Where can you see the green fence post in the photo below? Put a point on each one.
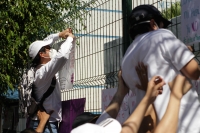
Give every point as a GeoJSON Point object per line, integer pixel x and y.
{"type": "Point", "coordinates": [126, 10]}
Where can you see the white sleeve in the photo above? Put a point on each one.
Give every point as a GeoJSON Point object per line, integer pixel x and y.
{"type": "Point", "coordinates": [55, 37]}
{"type": "Point", "coordinates": [102, 117]}
{"type": "Point", "coordinates": [65, 48]}
{"type": "Point", "coordinates": [48, 70]}
{"type": "Point", "coordinates": [176, 51]}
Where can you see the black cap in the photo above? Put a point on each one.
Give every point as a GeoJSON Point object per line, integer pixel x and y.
{"type": "Point", "coordinates": [143, 13]}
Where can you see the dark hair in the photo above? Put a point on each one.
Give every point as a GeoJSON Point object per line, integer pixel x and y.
{"type": "Point", "coordinates": [142, 13]}
{"type": "Point", "coordinates": [36, 60]}
{"type": "Point", "coordinates": [28, 130]}
{"type": "Point", "coordinates": [141, 28]}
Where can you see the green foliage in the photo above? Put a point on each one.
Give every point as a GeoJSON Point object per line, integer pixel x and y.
{"type": "Point", "coordinates": [24, 21]}
{"type": "Point", "coordinates": [173, 11]}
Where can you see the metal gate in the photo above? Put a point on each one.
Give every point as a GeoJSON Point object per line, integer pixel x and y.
{"type": "Point", "coordinates": [98, 55]}
{"type": "Point", "coordinates": [102, 39]}
{"type": "Point", "coordinates": [103, 42]}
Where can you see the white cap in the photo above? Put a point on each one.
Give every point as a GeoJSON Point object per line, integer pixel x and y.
{"type": "Point", "coordinates": [109, 125]}
{"type": "Point", "coordinates": [35, 47]}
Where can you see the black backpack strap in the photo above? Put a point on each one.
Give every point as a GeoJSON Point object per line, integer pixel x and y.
{"type": "Point", "coordinates": [49, 91]}
{"type": "Point", "coordinates": [47, 94]}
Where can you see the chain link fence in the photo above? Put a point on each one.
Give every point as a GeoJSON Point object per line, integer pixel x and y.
{"type": "Point", "coordinates": [98, 55]}
{"type": "Point", "coordinates": [103, 42]}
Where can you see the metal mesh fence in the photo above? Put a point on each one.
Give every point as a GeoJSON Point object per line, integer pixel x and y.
{"type": "Point", "coordinates": [98, 54]}
{"type": "Point", "coordinates": [100, 48]}
{"type": "Point", "coordinates": [102, 39]}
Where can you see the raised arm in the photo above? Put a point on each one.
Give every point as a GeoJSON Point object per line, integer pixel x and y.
{"type": "Point", "coordinates": [115, 104]}
{"type": "Point", "coordinates": [132, 124]}
{"type": "Point", "coordinates": [113, 108]}
{"type": "Point", "coordinates": [181, 57]}
{"type": "Point", "coordinates": [63, 34]}
{"type": "Point", "coordinates": [43, 117]}
{"type": "Point", "coordinates": [191, 70]}
{"type": "Point", "coordinates": [54, 65]}
{"type": "Point", "coordinates": [169, 123]}
{"type": "Point", "coordinates": [149, 121]}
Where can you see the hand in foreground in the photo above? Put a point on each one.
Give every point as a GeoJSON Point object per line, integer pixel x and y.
{"type": "Point", "coordinates": [43, 117]}
{"type": "Point", "coordinates": [179, 86]}
{"type": "Point", "coordinates": [68, 32]}
{"type": "Point", "coordinates": [122, 88]}
{"type": "Point", "coordinates": [141, 70]}
{"type": "Point", "coordinates": [155, 87]}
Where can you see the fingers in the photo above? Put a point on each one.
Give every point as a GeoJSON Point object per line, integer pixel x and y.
{"type": "Point", "coordinates": [156, 79]}
{"type": "Point", "coordinates": [141, 71]}
{"type": "Point", "coordinates": [122, 88]}
{"type": "Point", "coordinates": [68, 30]}
{"type": "Point", "coordinates": [143, 68]}
{"type": "Point", "coordinates": [157, 84]}
{"type": "Point", "coordinates": [121, 81]}
{"type": "Point", "coordinates": [160, 91]}
{"type": "Point", "coordinates": [155, 87]}
{"type": "Point", "coordinates": [43, 115]}
{"type": "Point", "coordinates": [120, 73]}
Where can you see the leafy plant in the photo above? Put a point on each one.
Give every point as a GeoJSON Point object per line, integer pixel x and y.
{"type": "Point", "coordinates": [24, 21]}
{"type": "Point", "coordinates": [173, 11]}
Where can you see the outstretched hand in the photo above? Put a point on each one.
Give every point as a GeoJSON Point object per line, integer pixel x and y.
{"type": "Point", "coordinates": [155, 87]}
{"type": "Point", "coordinates": [152, 88]}
{"type": "Point", "coordinates": [122, 88]}
{"type": "Point", "coordinates": [65, 33]}
{"type": "Point", "coordinates": [43, 117]}
{"type": "Point", "coordinates": [141, 70]}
